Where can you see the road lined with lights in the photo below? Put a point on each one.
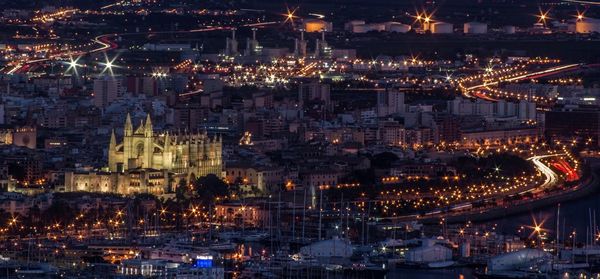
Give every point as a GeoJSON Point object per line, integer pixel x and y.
{"type": "Point", "coordinates": [547, 72]}
{"type": "Point", "coordinates": [483, 85]}
{"type": "Point", "coordinates": [551, 176]}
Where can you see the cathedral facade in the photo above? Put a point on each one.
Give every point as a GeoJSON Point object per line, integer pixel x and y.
{"type": "Point", "coordinates": [146, 162]}
{"type": "Point", "coordinates": [193, 154]}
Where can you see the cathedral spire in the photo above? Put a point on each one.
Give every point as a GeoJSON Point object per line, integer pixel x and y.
{"type": "Point", "coordinates": [148, 126]}
{"type": "Point", "coordinates": [204, 150]}
{"type": "Point", "coordinates": [113, 140]}
{"type": "Point", "coordinates": [128, 126]}
{"type": "Point", "coordinates": [167, 142]}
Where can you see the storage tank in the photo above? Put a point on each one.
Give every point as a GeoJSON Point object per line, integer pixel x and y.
{"type": "Point", "coordinates": [475, 28]}
{"type": "Point", "coordinates": [397, 27]}
{"type": "Point", "coordinates": [442, 28]}
{"type": "Point", "coordinates": [364, 28]}
{"type": "Point", "coordinates": [509, 29]}
{"type": "Point", "coordinates": [377, 27]}
{"type": "Point", "coordinates": [350, 24]}
{"type": "Point", "coordinates": [588, 25]}
{"type": "Point", "coordinates": [317, 25]}
{"type": "Point", "coordinates": [360, 28]}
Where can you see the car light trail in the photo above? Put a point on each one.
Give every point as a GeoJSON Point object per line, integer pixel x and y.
{"type": "Point", "coordinates": [551, 176]}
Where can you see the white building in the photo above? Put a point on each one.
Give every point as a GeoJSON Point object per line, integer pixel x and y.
{"type": "Point", "coordinates": [523, 110]}
{"type": "Point", "coordinates": [527, 110]}
{"type": "Point", "coordinates": [332, 248]}
{"type": "Point", "coordinates": [390, 102]}
{"type": "Point", "coordinates": [429, 252]}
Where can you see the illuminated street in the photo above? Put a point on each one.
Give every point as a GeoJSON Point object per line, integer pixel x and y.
{"type": "Point", "coordinates": [550, 176]}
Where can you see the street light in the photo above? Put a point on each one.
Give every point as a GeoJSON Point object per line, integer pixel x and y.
{"type": "Point", "coordinates": [543, 16]}
{"type": "Point", "coordinates": [108, 65]}
{"type": "Point", "coordinates": [73, 64]}
{"type": "Point", "coordinates": [290, 15]}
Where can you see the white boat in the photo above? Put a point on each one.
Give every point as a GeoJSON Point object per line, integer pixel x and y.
{"type": "Point", "coordinates": [443, 264]}
{"type": "Point", "coordinates": [223, 246]}
{"type": "Point", "coordinates": [230, 235]}
{"type": "Point", "coordinates": [38, 270]}
{"type": "Point", "coordinates": [254, 237]}
{"type": "Point", "coordinates": [333, 267]}
{"type": "Point", "coordinates": [172, 255]}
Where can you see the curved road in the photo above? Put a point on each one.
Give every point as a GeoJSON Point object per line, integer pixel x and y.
{"type": "Point", "coordinates": [551, 176]}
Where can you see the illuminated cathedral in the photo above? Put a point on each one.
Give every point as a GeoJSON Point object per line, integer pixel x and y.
{"type": "Point", "coordinates": [194, 154]}
{"type": "Point", "coordinates": [145, 162]}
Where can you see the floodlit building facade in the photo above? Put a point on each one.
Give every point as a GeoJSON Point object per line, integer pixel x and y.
{"type": "Point", "coordinates": [194, 154]}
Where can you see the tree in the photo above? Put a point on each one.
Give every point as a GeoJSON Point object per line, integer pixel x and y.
{"type": "Point", "coordinates": [59, 211]}
{"type": "Point", "coordinates": [209, 187]}
{"type": "Point", "coordinates": [181, 192]}
{"type": "Point", "coordinates": [383, 160]}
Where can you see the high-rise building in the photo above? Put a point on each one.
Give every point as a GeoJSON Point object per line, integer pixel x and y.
{"type": "Point", "coordinates": [392, 133]}
{"type": "Point", "coordinates": [527, 110]}
{"type": "Point", "coordinates": [574, 123]}
{"type": "Point", "coordinates": [189, 116]}
{"type": "Point", "coordinates": [390, 102]}
{"type": "Point", "coordinates": [314, 91]}
{"type": "Point", "coordinates": [447, 127]}
{"type": "Point", "coordinates": [106, 90]}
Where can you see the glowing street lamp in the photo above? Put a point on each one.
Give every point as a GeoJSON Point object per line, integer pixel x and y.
{"type": "Point", "coordinates": [423, 19]}
{"type": "Point", "coordinates": [290, 15]}
{"type": "Point", "coordinates": [73, 64]}
{"type": "Point", "coordinates": [543, 17]}
{"type": "Point", "coordinates": [537, 230]}
{"type": "Point", "coordinates": [108, 65]}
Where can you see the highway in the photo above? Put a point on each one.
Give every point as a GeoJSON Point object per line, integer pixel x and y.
{"type": "Point", "coordinates": [538, 74]}
{"type": "Point", "coordinates": [551, 176]}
